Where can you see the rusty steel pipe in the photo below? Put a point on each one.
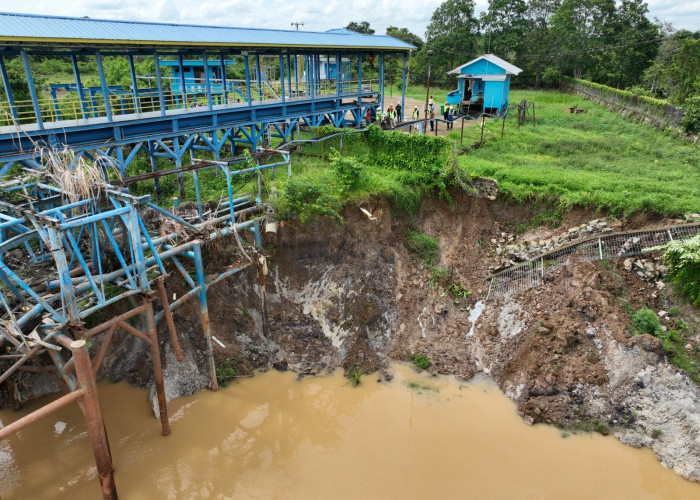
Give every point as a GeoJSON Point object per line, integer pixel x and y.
{"type": "Point", "coordinates": [157, 368]}
{"type": "Point", "coordinates": [19, 362]}
{"type": "Point", "coordinates": [42, 412]}
{"type": "Point", "coordinates": [117, 319]}
{"type": "Point", "coordinates": [127, 327]}
{"type": "Point", "coordinates": [169, 320]}
{"type": "Point", "coordinates": [93, 417]}
{"type": "Point", "coordinates": [103, 349]}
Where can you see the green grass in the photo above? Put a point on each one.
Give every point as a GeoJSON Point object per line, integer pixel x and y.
{"type": "Point", "coordinates": [421, 361]}
{"type": "Point", "coordinates": [596, 159]}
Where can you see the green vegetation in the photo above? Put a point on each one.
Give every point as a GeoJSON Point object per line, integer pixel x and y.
{"type": "Point", "coordinates": [683, 259]}
{"type": "Point", "coordinates": [596, 159]}
{"type": "Point", "coordinates": [424, 246]}
{"type": "Point", "coordinates": [226, 371]}
{"type": "Point", "coordinates": [420, 387]}
{"type": "Point", "coordinates": [674, 341]}
{"type": "Point", "coordinates": [355, 374]}
{"type": "Point", "coordinates": [421, 361]}
{"type": "Point", "coordinates": [646, 321]}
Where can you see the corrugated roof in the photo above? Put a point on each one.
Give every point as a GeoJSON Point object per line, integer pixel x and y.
{"type": "Point", "coordinates": [29, 28]}
{"type": "Point", "coordinates": [511, 69]}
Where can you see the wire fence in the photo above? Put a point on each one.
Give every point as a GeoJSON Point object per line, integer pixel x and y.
{"type": "Point", "coordinates": [531, 273]}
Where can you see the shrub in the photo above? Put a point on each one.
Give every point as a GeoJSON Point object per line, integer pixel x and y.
{"type": "Point", "coordinates": [423, 245]}
{"type": "Point", "coordinates": [307, 200]}
{"type": "Point", "coordinates": [225, 371]}
{"type": "Point", "coordinates": [646, 321]}
{"type": "Point", "coordinates": [691, 120]}
{"type": "Point", "coordinates": [355, 375]}
{"type": "Point", "coordinates": [348, 170]}
{"type": "Point", "coordinates": [421, 362]}
{"type": "Point", "coordinates": [683, 259]}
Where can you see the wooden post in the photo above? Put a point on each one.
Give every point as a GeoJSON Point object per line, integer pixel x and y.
{"type": "Point", "coordinates": [461, 137]}
{"type": "Point", "coordinates": [534, 120]}
{"type": "Point", "coordinates": [483, 122]}
{"type": "Point", "coordinates": [503, 127]}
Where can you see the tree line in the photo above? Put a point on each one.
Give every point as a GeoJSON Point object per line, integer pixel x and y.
{"type": "Point", "coordinates": [615, 44]}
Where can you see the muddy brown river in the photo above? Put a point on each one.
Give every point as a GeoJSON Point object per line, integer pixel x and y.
{"type": "Point", "coordinates": [275, 437]}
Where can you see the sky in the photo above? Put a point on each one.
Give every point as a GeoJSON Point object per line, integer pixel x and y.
{"type": "Point", "coordinates": [317, 15]}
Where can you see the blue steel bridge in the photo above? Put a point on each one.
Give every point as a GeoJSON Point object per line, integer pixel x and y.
{"type": "Point", "coordinates": [74, 243]}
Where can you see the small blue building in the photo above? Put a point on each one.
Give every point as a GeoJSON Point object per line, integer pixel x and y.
{"type": "Point", "coordinates": [484, 85]}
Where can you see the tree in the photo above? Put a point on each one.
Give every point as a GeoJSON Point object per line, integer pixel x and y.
{"type": "Point", "coordinates": [452, 35]}
{"type": "Point", "coordinates": [636, 43]}
{"type": "Point", "coordinates": [582, 28]}
{"type": "Point", "coordinates": [361, 27]}
{"type": "Point", "coordinates": [504, 26]}
{"type": "Point", "coordinates": [685, 71]}
{"type": "Point", "coordinates": [665, 75]}
{"type": "Point", "coordinates": [539, 40]}
{"type": "Point", "coordinates": [405, 35]}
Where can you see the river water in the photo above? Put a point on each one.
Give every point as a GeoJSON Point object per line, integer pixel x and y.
{"type": "Point", "coordinates": [273, 437]}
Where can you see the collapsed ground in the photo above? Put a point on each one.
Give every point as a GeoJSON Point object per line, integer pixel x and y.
{"type": "Point", "coordinates": [348, 291]}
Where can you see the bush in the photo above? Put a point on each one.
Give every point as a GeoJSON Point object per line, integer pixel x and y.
{"type": "Point", "coordinates": [421, 362]}
{"type": "Point", "coordinates": [423, 245]}
{"type": "Point", "coordinates": [683, 259]}
{"type": "Point", "coordinates": [307, 200]}
{"type": "Point", "coordinates": [691, 120]}
{"type": "Point", "coordinates": [646, 321]}
{"type": "Point", "coordinates": [348, 170]}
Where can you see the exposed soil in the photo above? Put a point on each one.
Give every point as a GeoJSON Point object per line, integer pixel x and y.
{"type": "Point", "coordinates": [353, 296]}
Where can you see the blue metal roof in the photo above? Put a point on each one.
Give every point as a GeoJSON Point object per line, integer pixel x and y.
{"type": "Point", "coordinates": [28, 28]}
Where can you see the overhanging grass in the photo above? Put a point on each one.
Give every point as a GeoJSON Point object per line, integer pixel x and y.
{"type": "Point", "coordinates": [594, 159]}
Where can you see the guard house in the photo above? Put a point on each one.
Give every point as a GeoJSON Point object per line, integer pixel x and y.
{"type": "Point", "coordinates": [484, 84]}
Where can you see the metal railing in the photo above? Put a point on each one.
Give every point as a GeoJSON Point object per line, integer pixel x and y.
{"type": "Point", "coordinates": [531, 273]}
{"type": "Point", "coordinates": [71, 107]}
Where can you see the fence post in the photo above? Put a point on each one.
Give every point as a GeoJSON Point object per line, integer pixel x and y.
{"type": "Point", "coordinates": [600, 248]}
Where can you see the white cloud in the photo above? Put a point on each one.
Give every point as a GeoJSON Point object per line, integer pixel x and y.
{"type": "Point", "coordinates": [317, 15]}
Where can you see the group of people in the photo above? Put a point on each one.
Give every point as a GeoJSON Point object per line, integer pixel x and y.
{"type": "Point", "coordinates": [390, 117]}
{"type": "Point", "coordinates": [394, 115]}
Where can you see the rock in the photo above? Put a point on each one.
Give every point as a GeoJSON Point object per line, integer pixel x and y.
{"type": "Point", "coordinates": [543, 331]}
{"type": "Point", "coordinates": [660, 285]}
{"type": "Point", "coordinates": [662, 314]}
{"type": "Point", "coordinates": [688, 347]}
{"type": "Point", "coordinates": [628, 264]}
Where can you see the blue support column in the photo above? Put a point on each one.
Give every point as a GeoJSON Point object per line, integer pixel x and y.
{"type": "Point", "coordinates": [103, 84]}
{"type": "Point", "coordinates": [381, 80]}
{"type": "Point", "coordinates": [296, 74]}
{"type": "Point", "coordinates": [159, 83]}
{"type": "Point", "coordinates": [134, 85]}
{"type": "Point", "coordinates": [79, 85]}
{"type": "Point", "coordinates": [403, 89]}
{"type": "Point", "coordinates": [289, 74]}
{"type": "Point", "coordinates": [183, 83]}
{"type": "Point", "coordinates": [32, 89]}
{"type": "Point", "coordinates": [249, 93]}
{"type": "Point", "coordinates": [282, 76]}
{"type": "Point", "coordinates": [258, 76]}
{"type": "Point", "coordinates": [8, 88]}
{"type": "Point", "coordinates": [310, 76]}
{"type": "Point", "coordinates": [359, 81]}
{"type": "Point", "coordinates": [207, 81]}
{"type": "Point", "coordinates": [204, 314]}
{"type": "Point", "coordinates": [338, 79]}
{"type": "Point", "coordinates": [224, 85]}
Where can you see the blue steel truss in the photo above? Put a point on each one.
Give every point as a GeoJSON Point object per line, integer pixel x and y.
{"type": "Point", "coordinates": [98, 250]}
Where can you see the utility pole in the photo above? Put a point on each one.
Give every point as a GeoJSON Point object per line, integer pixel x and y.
{"type": "Point", "coordinates": [296, 25]}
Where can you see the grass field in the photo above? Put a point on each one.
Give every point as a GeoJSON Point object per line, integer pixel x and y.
{"type": "Point", "coordinates": [595, 159]}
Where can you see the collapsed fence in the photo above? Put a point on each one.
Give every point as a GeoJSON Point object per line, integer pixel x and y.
{"type": "Point", "coordinates": [531, 273]}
